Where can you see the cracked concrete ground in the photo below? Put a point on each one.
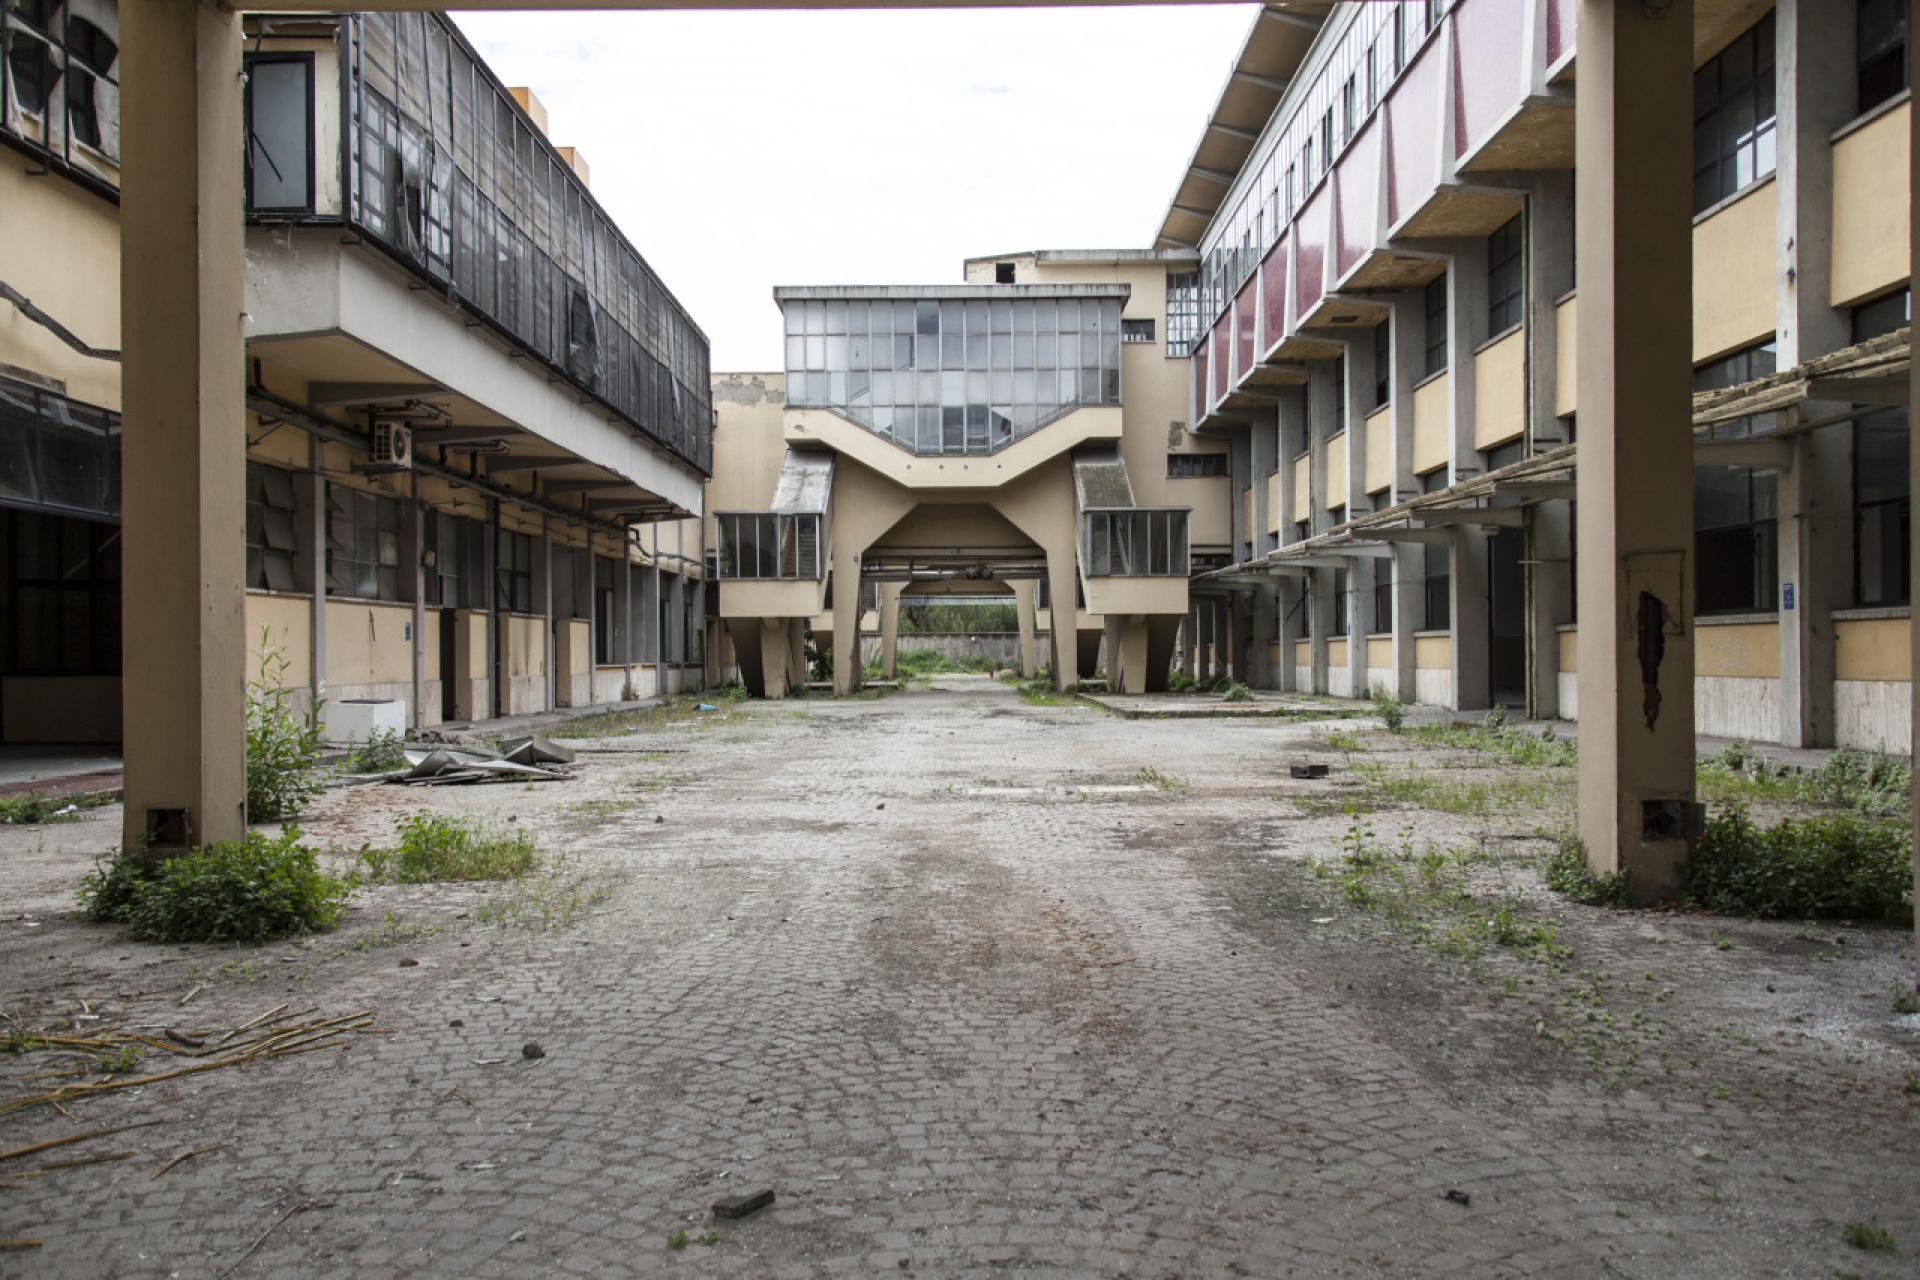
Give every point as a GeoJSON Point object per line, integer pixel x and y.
{"type": "Point", "coordinates": [972, 994]}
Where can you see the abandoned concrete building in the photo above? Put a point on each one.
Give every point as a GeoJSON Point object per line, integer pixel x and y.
{"type": "Point", "coordinates": [477, 425]}
{"type": "Point", "coordinates": [1326, 429]}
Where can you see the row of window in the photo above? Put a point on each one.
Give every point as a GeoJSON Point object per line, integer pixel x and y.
{"type": "Point", "coordinates": [953, 375]}
{"type": "Point", "coordinates": [60, 82]}
{"type": "Point", "coordinates": [56, 452]}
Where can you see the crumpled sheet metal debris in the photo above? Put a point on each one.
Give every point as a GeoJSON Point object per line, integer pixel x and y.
{"type": "Point", "coordinates": [434, 766]}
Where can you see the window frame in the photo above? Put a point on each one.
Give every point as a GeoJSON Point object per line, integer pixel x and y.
{"type": "Point", "coordinates": [305, 60]}
{"type": "Point", "coordinates": [1506, 277]}
{"type": "Point", "coordinates": [1437, 356]}
{"type": "Point", "coordinates": [1723, 163]}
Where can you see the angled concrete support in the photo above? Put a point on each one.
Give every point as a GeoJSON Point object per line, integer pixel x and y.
{"type": "Point", "coordinates": [1024, 593]}
{"type": "Point", "coordinates": [1635, 515]}
{"type": "Point", "coordinates": [184, 445]}
{"type": "Point", "coordinates": [889, 626]}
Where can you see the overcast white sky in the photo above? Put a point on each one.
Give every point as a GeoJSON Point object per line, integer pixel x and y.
{"type": "Point", "coordinates": [739, 151]}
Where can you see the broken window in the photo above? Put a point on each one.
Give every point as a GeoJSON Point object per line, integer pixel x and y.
{"type": "Point", "coordinates": [1735, 508]}
{"type": "Point", "coordinates": [279, 120]}
{"type": "Point", "coordinates": [1003, 273]}
{"type": "Point", "coordinates": [513, 572]}
{"type": "Point", "coordinates": [606, 621]}
{"type": "Point", "coordinates": [1191, 465]}
{"type": "Point", "coordinates": [1137, 330]}
{"type": "Point", "coordinates": [274, 541]}
{"type": "Point", "coordinates": [58, 452]}
{"type": "Point", "coordinates": [363, 544]}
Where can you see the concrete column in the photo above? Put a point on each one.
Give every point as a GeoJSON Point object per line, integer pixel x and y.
{"type": "Point", "coordinates": [1814, 70]}
{"type": "Point", "coordinates": [777, 674]}
{"type": "Point", "coordinates": [1291, 440]}
{"type": "Point", "coordinates": [623, 637]}
{"type": "Point", "coordinates": [889, 626]}
{"type": "Point", "coordinates": [1263, 600]}
{"type": "Point", "coordinates": [1468, 607]}
{"type": "Point", "coordinates": [797, 652]}
{"type": "Point", "coordinates": [1913, 475]}
{"type": "Point", "coordinates": [1263, 442]}
{"type": "Point", "coordinates": [1240, 470]}
{"type": "Point", "coordinates": [1024, 592]}
{"type": "Point", "coordinates": [543, 601]}
{"type": "Point", "coordinates": [1409, 575]}
{"type": "Point", "coordinates": [183, 593]}
{"type": "Point", "coordinates": [1189, 648]}
{"type": "Point", "coordinates": [1408, 355]}
{"type": "Point", "coordinates": [846, 621]}
{"type": "Point", "coordinates": [1359, 393]}
{"type": "Point", "coordinates": [1062, 586]}
{"type": "Point", "coordinates": [495, 695]}
{"type": "Point", "coordinates": [1549, 265]}
{"type": "Point", "coordinates": [1549, 603]}
{"type": "Point", "coordinates": [1289, 624]}
{"type": "Point", "coordinates": [1635, 516]}
{"type": "Point", "coordinates": [1320, 628]}
{"type": "Point", "coordinates": [316, 481]}
{"type": "Point", "coordinates": [1360, 622]}
{"type": "Point", "coordinates": [414, 538]}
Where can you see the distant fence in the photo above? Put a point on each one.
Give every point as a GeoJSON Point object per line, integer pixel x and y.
{"type": "Point", "coordinates": [1001, 648]}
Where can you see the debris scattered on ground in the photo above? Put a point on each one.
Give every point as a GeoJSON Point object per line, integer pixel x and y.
{"type": "Point", "coordinates": [72, 1138]}
{"type": "Point", "coordinates": [1459, 1197]}
{"type": "Point", "coordinates": [534, 749]}
{"type": "Point", "coordinates": [185, 1156]}
{"type": "Point", "coordinates": [1309, 770]}
{"type": "Point", "coordinates": [433, 766]}
{"type": "Point", "coordinates": [531, 1049]}
{"type": "Point", "coordinates": [741, 1206]}
{"type": "Point", "coordinates": [269, 1040]}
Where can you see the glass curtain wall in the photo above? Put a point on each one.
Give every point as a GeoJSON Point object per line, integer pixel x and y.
{"type": "Point", "coordinates": [952, 376]}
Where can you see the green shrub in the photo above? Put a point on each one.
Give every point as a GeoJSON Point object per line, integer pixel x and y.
{"type": "Point", "coordinates": [1236, 692]}
{"type": "Point", "coordinates": [1880, 785]}
{"type": "Point", "coordinates": [283, 743]}
{"type": "Point", "coordinates": [384, 752]}
{"type": "Point", "coordinates": [1392, 712]}
{"type": "Point", "coordinates": [1180, 682]}
{"type": "Point", "coordinates": [1802, 869]}
{"type": "Point", "coordinates": [434, 847]}
{"type": "Point", "coordinates": [247, 890]}
{"type": "Point", "coordinates": [1567, 873]}
{"type": "Point", "coordinates": [31, 808]}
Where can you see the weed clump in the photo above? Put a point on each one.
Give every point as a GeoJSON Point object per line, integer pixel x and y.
{"type": "Point", "coordinates": [283, 742]}
{"type": "Point", "coordinates": [1868, 1239]}
{"type": "Point", "coordinates": [1392, 712]}
{"type": "Point", "coordinates": [33, 808]}
{"type": "Point", "coordinates": [250, 890]}
{"type": "Point", "coordinates": [1802, 869]}
{"type": "Point", "coordinates": [434, 847]}
{"type": "Point", "coordinates": [384, 752]}
{"type": "Point", "coordinates": [1567, 874]}
{"type": "Point", "coordinates": [1236, 692]}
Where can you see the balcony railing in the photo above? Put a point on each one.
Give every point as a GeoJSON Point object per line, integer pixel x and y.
{"type": "Point", "coordinates": [1135, 542]}
{"type": "Point", "coordinates": [765, 545]}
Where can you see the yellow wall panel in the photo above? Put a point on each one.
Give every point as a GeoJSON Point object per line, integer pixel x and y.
{"type": "Point", "coordinates": [1433, 653]}
{"type": "Point", "coordinates": [1273, 502]}
{"type": "Point", "coordinates": [288, 623]}
{"type": "Point", "coordinates": [367, 642]}
{"type": "Point", "coordinates": [1207, 495]}
{"type": "Point", "coordinates": [1569, 651]}
{"type": "Point", "coordinates": [1379, 471]}
{"type": "Point", "coordinates": [1379, 653]}
{"type": "Point", "coordinates": [1337, 652]}
{"type": "Point", "coordinates": [1739, 649]}
{"type": "Point", "coordinates": [1337, 472]}
{"type": "Point", "coordinates": [1430, 414]}
{"type": "Point", "coordinates": [1871, 193]}
{"type": "Point", "coordinates": [1873, 649]}
{"type": "Point", "coordinates": [1302, 503]}
{"type": "Point", "coordinates": [1733, 273]}
{"type": "Point", "coordinates": [1302, 653]}
{"type": "Point", "coordinates": [1500, 391]}
{"type": "Point", "coordinates": [1566, 319]}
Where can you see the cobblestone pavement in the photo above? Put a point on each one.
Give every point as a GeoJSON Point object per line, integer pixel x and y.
{"type": "Point", "coordinates": [971, 994]}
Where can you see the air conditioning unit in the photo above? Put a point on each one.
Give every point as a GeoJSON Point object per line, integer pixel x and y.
{"type": "Point", "coordinates": [392, 447]}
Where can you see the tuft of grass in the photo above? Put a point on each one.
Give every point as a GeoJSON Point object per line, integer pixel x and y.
{"type": "Point", "coordinates": [123, 1061]}
{"type": "Point", "coordinates": [1906, 998]}
{"type": "Point", "coordinates": [1477, 799]}
{"type": "Point", "coordinates": [1340, 740]}
{"type": "Point", "coordinates": [1236, 692]}
{"type": "Point", "coordinates": [1867, 1238]}
{"type": "Point", "coordinates": [1040, 692]}
{"type": "Point", "coordinates": [1567, 873]}
{"type": "Point", "coordinates": [547, 903]}
{"type": "Point", "coordinates": [247, 890]}
{"type": "Point", "coordinates": [1495, 735]}
{"type": "Point", "coordinates": [1392, 712]}
{"type": "Point", "coordinates": [384, 752]}
{"type": "Point", "coordinates": [434, 847]}
{"type": "Point", "coordinates": [1869, 783]}
{"type": "Point", "coordinates": [34, 808]}
{"type": "Point", "coordinates": [1152, 777]}
{"type": "Point", "coordinates": [1802, 869]}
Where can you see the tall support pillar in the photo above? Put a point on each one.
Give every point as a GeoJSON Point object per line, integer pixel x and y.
{"type": "Point", "coordinates": [1024, 592]}
{"type": "Point", "coordinates": [889, 626]}
{"type": "Point", "coordinates": [1409, 604]}
{"type": "Point", "coordinates": [1263, 600]}
{"type": "Point", "coordinates": [1189, 651]}
{"type": "Point", "coordinates": [1549, 603]}
{"type": "Point", "coordinates": [316, 567]}
{"type": "Point", "coordinates": [417, 515]}
{"type": "Point", "coordinates": [1472, 675]}
{"type": "Point", "coordinates": [623, 636]}
{"type": "Point", "coordinates": [543, 601]}
{"type": "Point", "coordinates": [1913, 458]}
{"type": "Point", "coordinates": [1813, 57]}
{"type": "Point", "coordinates": [846, 621]}
{"type": "Point", "coordinates": [1360, 622]}
{"type": "Point", "coordinates": [1320, 629]}
{"type": "Point", "coordinates": [1635, 576]}
{"type": "Point", "coordinates": [184, 447]}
